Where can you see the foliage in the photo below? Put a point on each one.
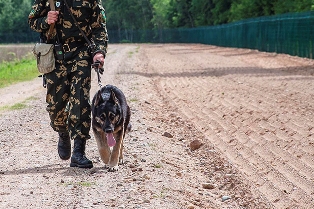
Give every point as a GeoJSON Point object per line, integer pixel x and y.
{"type": "Point", "coordinates": [13, 15]}
{"type": "Point", "coordinates": [17, 71]}
{"type": "Point", "coordinates": [281, 7]}
{"type": "Point", "coordinates": [160, 10]}
{"type": "Point", "coordinates": [129, 15]}
{"type": "Point", "coordinates": [242, 9]}
{"type": "Point", "coordinates": [202, 11]}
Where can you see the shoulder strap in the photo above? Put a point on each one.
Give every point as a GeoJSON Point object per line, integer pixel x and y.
{"type": "Point", "coordinates": [51, 28]}
{"type": "Point", "coordinates": [76, 23]}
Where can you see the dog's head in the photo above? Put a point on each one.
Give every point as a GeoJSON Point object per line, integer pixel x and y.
{"type": "Point", "coordinates": [106, 110]}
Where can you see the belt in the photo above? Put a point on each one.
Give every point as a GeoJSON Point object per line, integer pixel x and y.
{"type": "Point", "coordinates": [67, 47]}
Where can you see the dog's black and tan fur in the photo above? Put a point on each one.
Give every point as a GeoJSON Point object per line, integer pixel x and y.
{"type": "Point", "coordinates": [111, 114]}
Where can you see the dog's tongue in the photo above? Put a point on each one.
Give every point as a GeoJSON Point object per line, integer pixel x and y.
{"type": "Point", "coordinates": [111, 140]}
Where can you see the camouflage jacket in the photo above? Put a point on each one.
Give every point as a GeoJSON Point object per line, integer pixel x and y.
{"type": "Point", "coordinates": [90, 15]}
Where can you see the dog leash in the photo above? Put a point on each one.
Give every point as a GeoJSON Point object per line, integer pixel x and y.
{"type": "Point", "coordinates": [91, 46]}
{"type": "Point", "coordinates": [99, 70]}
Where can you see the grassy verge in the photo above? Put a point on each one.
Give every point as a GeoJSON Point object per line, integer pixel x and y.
{"type": "Point", "coordinates": [17, 106]}
{"type": "Point", "coordinates": [17, 71]}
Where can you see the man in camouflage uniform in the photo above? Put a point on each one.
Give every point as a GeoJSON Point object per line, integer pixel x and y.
{"type": "Point", "coordinates": [68, 86]}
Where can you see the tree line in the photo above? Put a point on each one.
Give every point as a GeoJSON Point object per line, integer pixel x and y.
{"type": "Point", "coordinates": [149, 14]}
{"type": "Point", "coordinates": [161, 14]}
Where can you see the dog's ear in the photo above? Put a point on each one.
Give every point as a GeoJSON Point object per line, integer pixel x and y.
{"type": "Point", "coordinates": [114, 98]}
{"type": "Point", "coordinates": [97, 98]}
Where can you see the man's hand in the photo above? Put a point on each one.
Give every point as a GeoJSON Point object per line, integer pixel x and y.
{"type": "Point", "coordinates": [99, 57]}
{"type": "Point", "coordinates": [52, 17]}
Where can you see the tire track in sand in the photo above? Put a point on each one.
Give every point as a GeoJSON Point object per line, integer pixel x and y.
{"type": "Point", "coordinates": [264, 130]}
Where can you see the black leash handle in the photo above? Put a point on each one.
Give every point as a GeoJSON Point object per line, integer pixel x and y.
{"type": "Point", "coordinates": [99, 70]}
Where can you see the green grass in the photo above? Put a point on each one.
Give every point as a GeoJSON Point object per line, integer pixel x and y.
{"type": "Point", "coordinates": [17, 71]}
{"type": "Point", "coordinates": [17, 106]}
{"type": "Point", "coordinates": [137, 49]}
{"type": "Point", "coordinates": [131, 52]}
{"type": "Point", "coordinates": [157, 166]}
{"type": "Point", "coordinates": [133, 100]}
{"type": "Point", "coordinates": [124, 41]}
{"type": "Point", "coordinates": [31, 98]}
{"type": "Point", "coordinates": [163, 193]}
{"type": "Point", "coordinates": [85, 184]}
{"type": "Point", "coordinates": [82, 184]}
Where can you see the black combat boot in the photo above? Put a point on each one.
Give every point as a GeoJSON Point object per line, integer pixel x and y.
{"type": "Point", "coordinates": [64, 146]}
{"type": "Point", "coordinates": [78, 158]}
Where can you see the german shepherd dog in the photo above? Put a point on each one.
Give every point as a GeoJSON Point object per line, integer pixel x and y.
{"type": "Point", "coordinates": [110, 120]}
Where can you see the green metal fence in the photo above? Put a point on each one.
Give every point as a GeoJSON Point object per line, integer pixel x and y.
{"type": "Point", "coordinates": [289, 33]}
{"type": "Point", "coordinates": [18, 37]}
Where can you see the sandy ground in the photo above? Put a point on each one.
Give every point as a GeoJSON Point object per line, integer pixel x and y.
{"type": "Point", "coordinates": [252, 112]}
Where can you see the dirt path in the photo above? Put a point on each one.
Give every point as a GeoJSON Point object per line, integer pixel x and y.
{"type": "Point", "coordinates": [252, 111]}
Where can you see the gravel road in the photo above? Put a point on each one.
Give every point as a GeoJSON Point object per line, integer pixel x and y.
{"type": "Point", "coordinates": [213, 128]}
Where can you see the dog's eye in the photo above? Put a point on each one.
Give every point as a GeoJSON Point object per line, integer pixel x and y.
{"type": "Point", "coordinates": [102, 117]}
{"type": "Point", "coordinates": [111, 116]}
{"type": "Point", "coordinates": [98, 120]}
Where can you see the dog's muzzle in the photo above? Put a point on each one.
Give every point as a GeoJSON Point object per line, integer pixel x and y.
{"type": "Point", "coordinates": [108, 130]}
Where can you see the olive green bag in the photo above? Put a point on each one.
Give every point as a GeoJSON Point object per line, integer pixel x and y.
{"type": "Point", "coordinates": [45, 57]}
{"type": "Point", "coordinates": [44, 52]}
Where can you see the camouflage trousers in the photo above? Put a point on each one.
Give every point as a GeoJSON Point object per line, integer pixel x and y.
{"type": "Point", "coordinates": [68, 98]}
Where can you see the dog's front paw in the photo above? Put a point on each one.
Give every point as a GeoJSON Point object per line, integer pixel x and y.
{"type": "Point", "coordinates": [121, 162]}
{"type": "Point", "coordinates": [113, 169]}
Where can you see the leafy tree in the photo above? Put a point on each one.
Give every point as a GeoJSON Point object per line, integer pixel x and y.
{"type": "Point", "coordinates": [129, 14]}
{"type": "Point", "coordinates": [281, 6]}
{"type": "Point", "coordinates": [202, 12]}
{"type": "Point", "coordinates": [180, 14]}
{"type": "Point", "coordinates": [160, 11]}
{"type": "Point", "coordinates": [242, 9]}
{"type": "Point", "coordinates": [159, 20]}
{"type": "Point", "coordinates": [221, 11]}
{"type": "Point", "coordinates": [13, 15]}
{"type": "Point", "coordinates": [7, 15]}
